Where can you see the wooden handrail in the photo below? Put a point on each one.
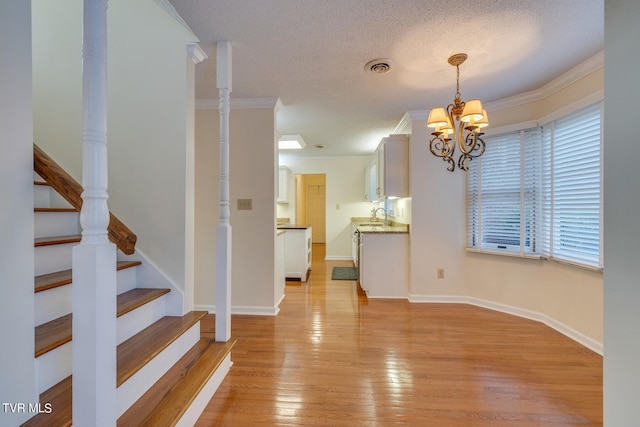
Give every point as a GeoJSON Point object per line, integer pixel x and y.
{"type": "Point", "coordinates": [71, 191]}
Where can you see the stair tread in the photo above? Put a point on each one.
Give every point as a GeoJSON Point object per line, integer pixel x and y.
{"type": "Point", "coordinates": [60, 278]}
{"type": "Point", "coordinates": [57, 332]}
{"type": "Point", "coordinates": [57, 240]}
{"type": "Point", "coordinates": [130, 300]}
{"type": "Point", "coordinates": [167, 400]}
{"type": "Point", "coordinates": [53, 334]}
{"type": "Point", "coordinates": [59, 396]}
{"type": "Point", "coordinates": [141, 348]}
{"type": "Point", "coordinates": [161, 405]}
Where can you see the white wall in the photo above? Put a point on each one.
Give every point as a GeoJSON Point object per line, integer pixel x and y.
{"type": "Point", "coordinates": [568, 297]}
{"type": "Point", "coordinates": [17, 369]}
{"type": "Point", "coordinates": [147, 116]}
{"type": "Point", "coordinates": [253, 174]}
{"type": "Point", "coordinates": [621, 207]}
{"type": "Point", "coordinates": [345, 187]}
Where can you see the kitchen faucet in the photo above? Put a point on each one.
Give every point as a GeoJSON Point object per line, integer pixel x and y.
{"type": "Point", "coordinates": [386, 221]}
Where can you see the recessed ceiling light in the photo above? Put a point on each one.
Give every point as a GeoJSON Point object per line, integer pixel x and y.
{"type": "Point", "coordinates": [378, 66]}
{"type": "Point", "coordinates": [291, 142]}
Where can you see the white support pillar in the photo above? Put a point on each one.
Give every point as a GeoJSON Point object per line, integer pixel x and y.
{"type": "Point", "coordinates": [223, 231]}
{"type": "Point", "coordinates": [94, 259]}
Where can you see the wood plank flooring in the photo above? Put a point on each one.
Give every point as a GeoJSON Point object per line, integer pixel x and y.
{"type": "Point", "coordinates": [332, 357]}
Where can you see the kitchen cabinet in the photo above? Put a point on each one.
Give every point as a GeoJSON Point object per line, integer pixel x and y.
{"type": "Point", "coordinates": [297, 252]}
{"type": "Point", "coordinates": [283, 184]}
{"type": "Point", "coordinates": [384, 265]}
{"type": "Point", "coordinates": [393, 167]}
{"type": "Point", "coordinates": [371, 180]}
{"type": "Point", "coordinates": [387, 174]}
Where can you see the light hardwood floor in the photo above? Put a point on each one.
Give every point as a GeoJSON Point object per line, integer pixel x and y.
{"type": "Point", "coordinates": [332, 357]}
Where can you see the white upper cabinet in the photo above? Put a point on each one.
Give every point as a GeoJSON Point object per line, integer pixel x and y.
{"type": "Point", "coordinates": [371, 180]}
{"type": "Point", "coordinates": [387, 175]}
{"type": "Point", "coordinates": [283, 184]}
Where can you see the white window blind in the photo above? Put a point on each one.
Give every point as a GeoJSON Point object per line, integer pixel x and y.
{"type": "Point", "coordinates": [539, 191]}
{"type": "Point", "coordinates": [572, 190]}
{"type": "Point", "coordinates": [503, 191]}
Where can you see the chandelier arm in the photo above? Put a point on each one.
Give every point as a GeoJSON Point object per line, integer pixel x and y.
{"type": "Point", "coordinates": [473, 145]}
{"type": "Point", "coordinates": [442, 147]}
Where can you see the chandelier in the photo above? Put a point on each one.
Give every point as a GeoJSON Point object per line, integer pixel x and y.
{"type": "Point", "coordinates": [458, 125]}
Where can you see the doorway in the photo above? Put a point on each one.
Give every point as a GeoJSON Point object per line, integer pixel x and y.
{"type": "Point", "coordinates": [311, 190]}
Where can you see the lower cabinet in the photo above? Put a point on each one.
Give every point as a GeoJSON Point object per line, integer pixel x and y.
{"type": "Point", "coordinates": [297, 253]}
{"type": "Point", "coordinates": [384, 265]}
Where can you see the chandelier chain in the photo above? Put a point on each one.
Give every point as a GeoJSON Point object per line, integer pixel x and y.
{"type": "Point", "coordinates": [458, 82]}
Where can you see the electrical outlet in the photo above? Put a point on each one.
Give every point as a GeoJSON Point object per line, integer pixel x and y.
{"type": "Point", "coordinates": [441, 273]}
{"type": "Point", "coordinates": [244, 204]}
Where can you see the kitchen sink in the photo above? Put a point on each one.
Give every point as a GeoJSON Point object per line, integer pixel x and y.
{"type": "Point", "coordinates": [372, 224]}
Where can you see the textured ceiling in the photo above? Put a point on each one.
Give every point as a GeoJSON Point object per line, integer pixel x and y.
{"type": "Point", "coordinates": [311, 54]}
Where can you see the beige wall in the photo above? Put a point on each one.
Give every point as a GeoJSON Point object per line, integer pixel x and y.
{"type": "Point", "coordinates": [570, 298]}
{"type": "Point", "coordinates": [16, 215]}
{"type": "Point", "coordinates": [253, 175]}
{"type": "Point", "coordinates": [621, 207]}
{"type": "Point", "coordinates": [148, 71]}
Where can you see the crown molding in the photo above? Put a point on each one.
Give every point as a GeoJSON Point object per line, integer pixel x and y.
{"type": "Point", "coordinates": [168, 7]}
{"type": "Point", "coordinates": [196, 53]}
{"type": "Point", "coordinates": [240, 103]}
{"type": "Point", "coordinates": [592, 64]}
{"type": "Point", "coordinates": [404, 126]}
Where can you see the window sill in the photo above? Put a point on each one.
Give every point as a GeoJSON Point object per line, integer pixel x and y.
{"type": "Point", "coordinates": [504, 253]}
{"type": "Point", "coordinates": [538, 257]}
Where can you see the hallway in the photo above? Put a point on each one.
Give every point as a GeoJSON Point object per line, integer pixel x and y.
{"type": "Point", "coordinates": [332, 357]}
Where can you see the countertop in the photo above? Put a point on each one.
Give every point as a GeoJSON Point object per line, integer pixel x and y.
{"type": "Point", "coordinates": [292, 226]}
{"type": "Point", "coordinates": [367, 225]}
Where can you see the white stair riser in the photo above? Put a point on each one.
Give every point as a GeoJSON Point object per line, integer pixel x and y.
{"type": "Point", "coordinates": [49, 259]}
{"type": "Point", "coordinates": [132, 389]}
{"type": "Point", "coordinates": [133, 322]}
{"type": "Point", "coordinates": [57, 302]}
{"type": "Point", "coordinates": [127, 279]}
{"type": "Point", "coordinates": [48, 224]}
{"type": "Point", "coordinates": [46, 197]}
{"type": "Point", "coordinates": [52, 303]}
{"type": "Point", "coordinates": [193, 412]}
{"type": "Point", "coordinates": [53, 367]}
{"type": "Point", "coordinates": [41, 196]}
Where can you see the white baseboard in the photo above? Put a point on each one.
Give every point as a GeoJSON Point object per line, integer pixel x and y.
{"type": "Point", "coordinates": [569, 332]}
{"type": "Point", "coordinates": [252, 311]}
{"type": "Point", "coordinates": [338, 258]}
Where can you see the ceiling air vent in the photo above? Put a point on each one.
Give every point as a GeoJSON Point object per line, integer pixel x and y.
{"type": "Point", "coordinates": [378, 66]}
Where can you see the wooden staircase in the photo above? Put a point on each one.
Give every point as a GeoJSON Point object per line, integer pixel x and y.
{"type": "Point", "coordinates": [166, 371]}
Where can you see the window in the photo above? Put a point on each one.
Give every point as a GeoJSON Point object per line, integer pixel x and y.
{"type": "Point", "coordinates": [503, 192]}
{"type": "Point", "coordinates": [537, 191]}
{"type": "Point", "coordinates": [572, 193]}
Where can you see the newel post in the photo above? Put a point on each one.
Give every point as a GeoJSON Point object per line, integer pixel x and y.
{"type": "Point", "coordinates": [94, 259]}
{"type": "Point", "coordinates": [223, 231]}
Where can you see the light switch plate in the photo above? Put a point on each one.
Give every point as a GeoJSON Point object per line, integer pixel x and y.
{"type": "Point", "coordinates": [244, 204]}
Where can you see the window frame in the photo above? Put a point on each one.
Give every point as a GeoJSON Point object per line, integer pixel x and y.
{"type": "Point", "coordinates": [542, 225]}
